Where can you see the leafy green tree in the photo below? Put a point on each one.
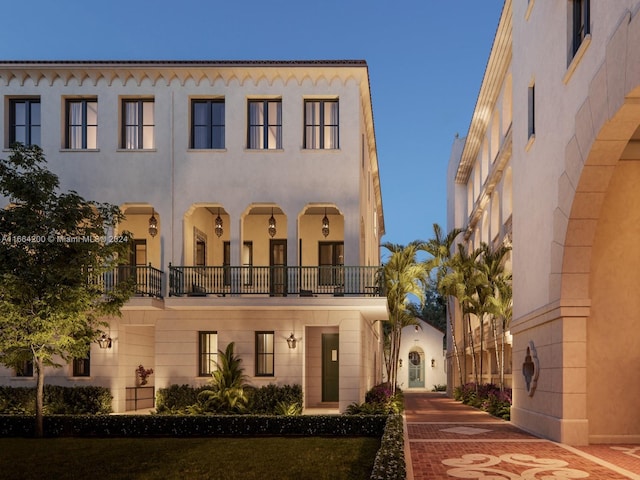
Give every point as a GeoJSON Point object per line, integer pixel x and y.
{"type": "Point", "coordinates": [433, 308]}
{"type": "Point", "coordinates": [53, 253]}
{"type": "Point", "coordinates": [404, 277]}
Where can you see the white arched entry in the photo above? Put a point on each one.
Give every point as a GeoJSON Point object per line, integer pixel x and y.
{"type": "Point", "coordinates": [415, 362]}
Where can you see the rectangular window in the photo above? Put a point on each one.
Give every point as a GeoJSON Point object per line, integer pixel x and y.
{"type": "Point", "coordinates": [264, 354]}
{"type": "Point", "coordinates": [532, 111]}
{"type": "Point", "coordinates": [24, 121]}
{"type": "Point", "coordinates": [265, 125]}
{"type": "Point", "coordinates": [82, 124]}
{"type": "Point", "coordinates": [247, 262]}
{"type": "Point", "coordinates": [25, 369]}
{"type": "Point", "coordinates": [581, 20]}
{"type": "Point", "coordinates": [207, 124]}
{"type": "Point", "coordinates": [331, 260]}
{"type": "Point", "coordinates": [207, 353]}
{"type": "Point", "coordinates": [138, 124]}
{"type": "Point", "coordinates": [321, 124]}
{"type": "Point", "coordinates": [81, 367]}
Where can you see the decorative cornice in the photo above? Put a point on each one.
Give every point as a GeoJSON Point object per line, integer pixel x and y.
{"type": "Point", "coordinates": [499, 60]}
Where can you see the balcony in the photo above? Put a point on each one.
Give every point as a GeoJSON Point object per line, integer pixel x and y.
{"type": "Point", "coordinates": [148, 280]}
{"type": "Point", "coordinates": [276, 281]}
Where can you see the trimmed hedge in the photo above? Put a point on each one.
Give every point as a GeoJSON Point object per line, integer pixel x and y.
{"type": "Point", "coordinates": [194, 425]}
{"type": "Point", "coordinates": [58, 400]}
{"type": "Point", "coordinates": [390, 462]}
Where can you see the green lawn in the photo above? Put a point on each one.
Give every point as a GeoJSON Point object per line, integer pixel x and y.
{"type": "Point", "coordinates": [280, 458]}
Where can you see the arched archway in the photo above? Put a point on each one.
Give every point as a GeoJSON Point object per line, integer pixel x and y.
{"type": "Point", "coordinates": [415, 362]}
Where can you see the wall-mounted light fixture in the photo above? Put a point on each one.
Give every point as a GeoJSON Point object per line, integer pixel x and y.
{"type": "Point", "coordinates": [400, 362]}
{"type": "Point", "coordinates": [433, 363]}
{"type": "Point", "coordinates": [104, 341]}
{"type": "Point", "coordinates": [272, 225]}
{"type": "Point", "coordinates": [292, 341]}
{"type": "Point", "coordinates": [325, 224]}
{"type": "Point", "coordinates": [218, 225]}
{"type": "Point", "coordinates": [153, 224]}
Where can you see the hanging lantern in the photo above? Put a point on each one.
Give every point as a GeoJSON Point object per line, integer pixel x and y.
{"type": "Point", "coordinates": [272, 225]}
{"type": "Point", "coordinates": [218, 225]}
{"type": "Point", "coordinates": [325, 224]}
{"type": "Point", "coordinates": [153, 224]}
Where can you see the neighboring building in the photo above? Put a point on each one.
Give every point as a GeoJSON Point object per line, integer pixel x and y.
{"type": "Point", "coordinates": [553, 156]}
{"type": "Point", "coordinates": [253, 193]}
{"type": "Point", "coordinates": [422, 358]}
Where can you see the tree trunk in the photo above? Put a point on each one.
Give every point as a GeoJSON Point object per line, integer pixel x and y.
{"type": "Point", "coordinates": [481, 318]}
{"type": "Point", "coordinates": [39, 432]}
{"type": "Point", "coordinates": [474, 363]}
{"type": "Point", "coordinates": [494, 329]}
{"type": "Point", "coordinates": [455, 345]}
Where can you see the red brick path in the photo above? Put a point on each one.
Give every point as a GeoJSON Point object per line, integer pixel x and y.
{"type": "Point", "coordinates": [448, 440]}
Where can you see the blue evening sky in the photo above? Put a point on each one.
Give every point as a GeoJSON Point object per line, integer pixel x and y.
{"type": "Point", "coordinates": [426, 60]}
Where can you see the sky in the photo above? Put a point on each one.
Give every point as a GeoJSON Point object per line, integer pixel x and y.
{"type": "Point", "coordinates": [426, 60]}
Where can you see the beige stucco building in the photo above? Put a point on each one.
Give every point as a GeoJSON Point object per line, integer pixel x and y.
{"type": "Point", "coordinates": [551, 162]}
{"type": "Point", "coordinates": [253, 193]}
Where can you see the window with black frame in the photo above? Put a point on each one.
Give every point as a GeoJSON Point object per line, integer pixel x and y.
{"type": "Point", "coordinates": [24, 121]}
{"type": "Point", "coordinates": [321, 124]}
{"type": "Point", "coordinates": [265, 125]}
{"type": "Point", "coordinates": [82, 367]}
{"type": "Point", "coordinates": [581, 19]}
{"type": "Point", "coordinates": [82, 124]}
{"type": "Point", "coordinates": [138, 123]}
{"type": "Point", "coordinates": [207, 124]}
{"type": "Point", "coordinates": [264, 354]}
{"type": "Point", "coordinates": [207, 353]}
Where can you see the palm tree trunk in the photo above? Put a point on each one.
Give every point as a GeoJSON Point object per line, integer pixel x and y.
{"type": "Point", "coordinates": [494, 329]}
{"type": "Point", "coordinates": [502, 355]}
{"type": "Point", "coordinates": [455, 345]}
{"type": "Point", "coordinates": [474, 363]}
{"type": "Point", "coordinates": [481, 318]}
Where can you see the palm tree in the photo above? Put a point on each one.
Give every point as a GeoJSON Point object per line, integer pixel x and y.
{"type": "Point", "coordinates": [404, 276]}
{"type": "Point", "coordinates": [465, 280]}
{"type": "Point", "coordinates": [439, 247]}
{"type": "Point", "coordinates": [502, 311]}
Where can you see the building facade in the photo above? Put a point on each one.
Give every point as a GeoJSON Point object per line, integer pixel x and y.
{"type": "Point", "coordinates": [560, 101]}
{"type": "Point", "coordinates": [253, 195]}
{"type": "Point", "coordinates": [422, 358]}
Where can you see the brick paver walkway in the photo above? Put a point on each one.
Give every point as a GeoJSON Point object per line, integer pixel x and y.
{"type": "Point", "coordinates": [448, 440]}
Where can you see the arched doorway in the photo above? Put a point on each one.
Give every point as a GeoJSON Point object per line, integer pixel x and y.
{"type": "Point", "coordinates": [416, 368]}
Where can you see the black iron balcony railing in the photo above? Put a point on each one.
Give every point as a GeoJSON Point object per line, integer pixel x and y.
{"type": "Point", "coordinates": [276, 281]}
{"type": "Point", "coordinates": [148, 280]}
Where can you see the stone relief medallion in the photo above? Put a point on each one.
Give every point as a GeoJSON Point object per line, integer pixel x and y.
{"type": "Point", "coordinates": [531, 369]}
{"type": "Point", "coordinates": [488, 467]}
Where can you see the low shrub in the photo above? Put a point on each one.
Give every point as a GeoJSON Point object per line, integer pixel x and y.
{"type": "Point", "coordinates": [487, 397]}
{"type": "Point", "coordinates": [390, 462]}
{"type": "Point", "coordinates": [267, 400]}
{"type": "Point", "coordinates": [176, 399]}
{"type": "Point", "coordinates": [85, 400]}
{"type": "Point", "coordinates": [378, 401]}
{"type": "Point", "coordinates": [194, 425]}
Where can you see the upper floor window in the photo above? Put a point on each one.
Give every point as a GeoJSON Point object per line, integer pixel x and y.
{"type": "Point", "coordinates": [24, 121]}
{"type": "Point", "coordinates": [321, 124]}
{"type": "Point", "coordinates": [207, 124]}
{"type": "Point", "coordinates": [138, 124]}
{"type": "Point", "coordinates": [82, 124]}
{"type": "Point", "coordinates": [265, 125]}
{"type": "Point", "coordinates": [532, 111]}
{"type": "Point", "coordinates": [580, 28]}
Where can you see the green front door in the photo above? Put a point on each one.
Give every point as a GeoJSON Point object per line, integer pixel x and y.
{"type": "Point", "coordinates": [330, 367]}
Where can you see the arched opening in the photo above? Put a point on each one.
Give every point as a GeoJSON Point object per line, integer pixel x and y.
{"type": "Point", "coordinates": [415, 362]}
